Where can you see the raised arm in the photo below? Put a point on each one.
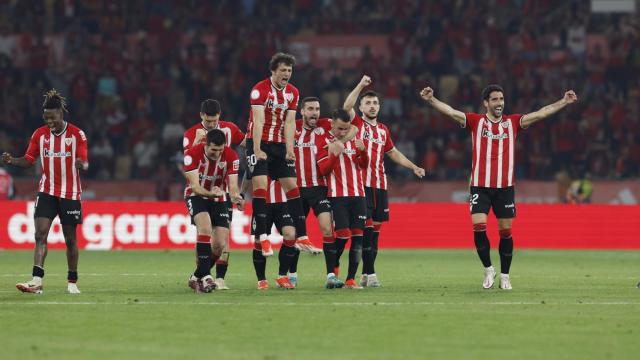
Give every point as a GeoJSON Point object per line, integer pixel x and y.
{"type": "Point", "coordinates": [569, 98]}
{"type": "Point", "coordinates": [427, 95]}
{"type": "Point", "coordinates": [350, 101]}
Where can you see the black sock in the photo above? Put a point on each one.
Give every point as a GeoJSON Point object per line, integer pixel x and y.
{"type": "Point", "coordinates": [72, 276]}
{"type": "Point", "coordinates": [221, 269]}
{"type": "Point", "coordinates": [285, 256]}
{"type": "Point", "coordinates": [260, 217]}
{"type": "Point", "coordinates": [293, 267]}
{"type": "Point", "coordinates": [203, 250]}
{"type": "Point", "coordinates": [367, 251]}
{"type": "Point", "coordinates": [37, 271]}
{"type": "Point", "coordinates": [297, 214]}
{"type": "Point", "coordinates": [329, 250]}
{"type": "Point", "coordinates": [506, 254]}
{"type": "Point", "coordinates": [259, 264]}
{"type": "Point", "coordinates": [483, 247]}
{"type": "Point", "coordinates": [340, 245]}
{"type": "Point", "coordinates": [374, 249]}
{"type": "Point", "coordinates": [355, 254]}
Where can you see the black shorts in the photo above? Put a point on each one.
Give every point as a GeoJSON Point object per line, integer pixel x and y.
{"type": "Point", "coordinates": [49, 206]}
{"type": "Point", "coordinates": [377, 204]}
{"type": "Point", "coordinates": [501, 200]}
{"type": "Point", "coordinates": [276, 166]}
{"type": "Point", "coordinates": [217, 210]}
{"type": "Point", "coordinates": [349, 212]}
{"type": "Point", "coordinates": [315, 198]}
{"type": "Point", "coordinates": [278, 215]}
{"type": "Point", "coordinates": [230, 207]}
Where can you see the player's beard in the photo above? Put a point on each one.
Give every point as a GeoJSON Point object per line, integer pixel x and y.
{"type": "Point", "coordinates": [307, 121]}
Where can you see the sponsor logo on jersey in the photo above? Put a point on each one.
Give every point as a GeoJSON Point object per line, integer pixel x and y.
{"type": "Point", "coordinates": [367, 136]}
{"type": "Point", "coordinates": [488, 134]}
{"type": "Point", "coordinates": [60, 154]}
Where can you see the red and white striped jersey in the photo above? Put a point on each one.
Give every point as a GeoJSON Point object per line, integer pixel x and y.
{"type": "Point", "coordinates": [233, 134]}
{"type": "Point", "coordinates": [58, 154]}
{"type": "Point", "coordinates": [493, 158]}
{"type": "Point", "coordinates": [344, 173]}
{"type": "Point", "coordinates": [377, 141]}
{"type": "Point", "coordinates": [307, 153]}
{"type": "Point", "coordinates": [275, 193]}
{"type": "Point", "coordinates": [211, 172]}
{"type": "Point", "coordinates": [6, 185]}
{"type": "Point", "coordinates": [276, 103]}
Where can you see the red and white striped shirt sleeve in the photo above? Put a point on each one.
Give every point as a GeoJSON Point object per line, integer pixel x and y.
{"type": "Point", "coordinates": [33, 151]}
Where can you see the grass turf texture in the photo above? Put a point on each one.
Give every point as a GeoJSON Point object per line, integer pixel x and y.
{"type": "Point", "coordinates": [135, 304]}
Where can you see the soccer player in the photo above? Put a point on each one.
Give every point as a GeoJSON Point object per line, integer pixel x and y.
{"type": "Point", "coordinates": [210, 112]}
{"type": "Point", "coordinates": [270, 150]}
{"type": "Point", "coordinates": [343, 165]}
{"type": "Point", "coordinates": [278, 215]}
{"type": "Point", "coordinates": [62, 150]}
{"type": "Point", "coordinates": [207, 167]}
{"type": "Point", "coordinates": [377, 139]}
{"type": "Point", "coordinates": [493, 137]}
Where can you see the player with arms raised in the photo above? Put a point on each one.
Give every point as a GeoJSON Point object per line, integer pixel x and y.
{"type": "Point", "coordinates": [270, 150]}
{"type": "Point", "coordinates": [62, 150]}
{"type": "Point", "coordinates": [377, 140]}
{"type": "Point", "coordinates": [207, 167]}
{"type": "Point", "coordinates": [493, 137]}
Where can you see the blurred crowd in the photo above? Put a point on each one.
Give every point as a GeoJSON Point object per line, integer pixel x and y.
{"type": "Point", "coordinates": [135, 73]}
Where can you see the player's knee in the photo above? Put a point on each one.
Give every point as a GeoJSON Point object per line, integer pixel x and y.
{"type": "Point", "coordinates": [257, 246]}
{"type": "Point", "coordinates": [343, 233]}
{"type": "Point", "coordinates": [289, 233]}
{"type": "Point", "coordinates": [41, 236]}
{"type": "Point", "coordinates": [260, 193]}
{"type": "Point", "coordinates": [505, 233]}
{"type": "Point", "coordinates": [480, 227]}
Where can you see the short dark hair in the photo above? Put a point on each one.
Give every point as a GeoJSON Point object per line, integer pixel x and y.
{"type": "Point", "coordinates": [54, 100]}
{"type": "Point", "coordinates": [281, 58]}
{"type": "Point", "coordinates": [341, 114]}
{"type": "Point", "coordinates": [216, 137]}
{"type": "Point", "coordinates": [210, 107]}
{"type": "Point", "coordinates": [309, 99]}
{"type": "Point", "coordinates": [369, 93]}
{"type": "Point", "coordinates": [489, 89]}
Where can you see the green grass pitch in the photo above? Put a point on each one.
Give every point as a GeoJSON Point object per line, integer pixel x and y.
{"type": "Point", "coordinates": [136, 305]}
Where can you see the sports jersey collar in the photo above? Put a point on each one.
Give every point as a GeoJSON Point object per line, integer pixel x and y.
{"type": "Point", "coordinates": [274, 85]}
{"type": "Point", "coordinates": [486, 116]}
{"type": "Point", "coordinates": [204, 127]}
{"type": "Point", "coordinates": [66, 125]}
{"type": "Point", "coordinates": [368, 122]}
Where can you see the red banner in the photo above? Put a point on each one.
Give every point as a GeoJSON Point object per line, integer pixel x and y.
{"type": "Point", "coordinates": [166, 225]}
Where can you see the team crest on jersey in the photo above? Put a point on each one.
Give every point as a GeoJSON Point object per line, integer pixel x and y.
{"type": "Point", "coordinates": [68, 141]}
{"type": "Point", "coordinates": [319, 131]}
{"type": "Point", "coordinates": [288, 96]}
{"type": "Point", "coordinates": [222, 165]}
{"type": "Point", "coordinates": [504, 124]}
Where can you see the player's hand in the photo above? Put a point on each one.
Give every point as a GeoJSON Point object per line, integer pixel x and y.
{"type": "Point", "coordinates": [336, 148]}
{"type": "Point", "coordinates": [238, 200]}
{"type": "Point", "coordinates": [80, 164]}
{"type": "Point", "coordinates": [426, 94]}
{"type": "Point", "coordinates": [240, 204]}
{"type": "Point", "coordinates": [260, 155]}
{"type": "Point", "coordinates": [359, 144]}
{"type": "Point", "coordinates": [420, 172]}
{"type": "Point", "coordinates": [201, 134]}
{"type": "Point", "coordinates": [365, 81]}
{"type": "Point", "coordinates": [290, 156]}
{"type": "Point", "coordinates": [216, 191]}
{"type": "Point", "coordinates": [570, 97]}
{"type": "Point", "coordinates": [6, 158]}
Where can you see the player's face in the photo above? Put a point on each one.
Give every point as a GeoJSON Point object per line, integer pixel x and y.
{"type": "Point", "coordinates": [209, 121]}
{"type": "Point", "coordinates": [495, 104]}
{"type": "Point", "coordinates": [340, 128]}
{"type": "Point", "coordinates": [281, 75]}
{"type": "Point", "coordinates": [213, 151]}
{"type": "Point", "coordinates": [370, 106]}
{"type": "Point", "coordinates": [53, 119]}
{"type": "Point", "coordinates": [310, 113]}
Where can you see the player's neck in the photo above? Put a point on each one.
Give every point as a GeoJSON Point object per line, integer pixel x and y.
{"type": "Point", "coordinates": [373, 121]}
{"type": "Point", "coordinates": [492, 118]}
{"type": "Point", "coordinates": [57, 132]}
{"type": "Point", "coordinates": [307, 126]}
{"type": "Point", "coordinates": [274, 84]}
{"type": "Point", "coordinates": [214, 126]}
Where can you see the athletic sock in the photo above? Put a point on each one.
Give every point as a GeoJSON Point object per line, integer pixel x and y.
{"type": "Point", "coordinates": [367, 251]}
{"type": "Point", "coordinates": [329, 251]}
{"type": "Point", "coordinates": [355, 255]}
{"type": "Point", "coordinates": [340, 245]}
{"type": "Point", "coordinates": [293, 268]}
{"type": "Point", "coordinates": [259, 264]}
{"type": "Point", "coordinates": [294, 205]}
{"type": "Point", "coordinates": [37, 271]}
{"type": "Point", "coordinates": [374, 245]}
{"type": "Point", "coordinates": [259, 204]}
{"type": "Point", "coordinates": [203, 251]}
{"type": "Point", "coordinates": [483, 246]}
{"type": "Point", "coordinates": [506, 250]}
{"type": "Point", "coordinates": [72, 276]}
{"type": "Point", "coordinates": [221, 269]}
{"type": "Point", "coordinates": [285, 256]}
